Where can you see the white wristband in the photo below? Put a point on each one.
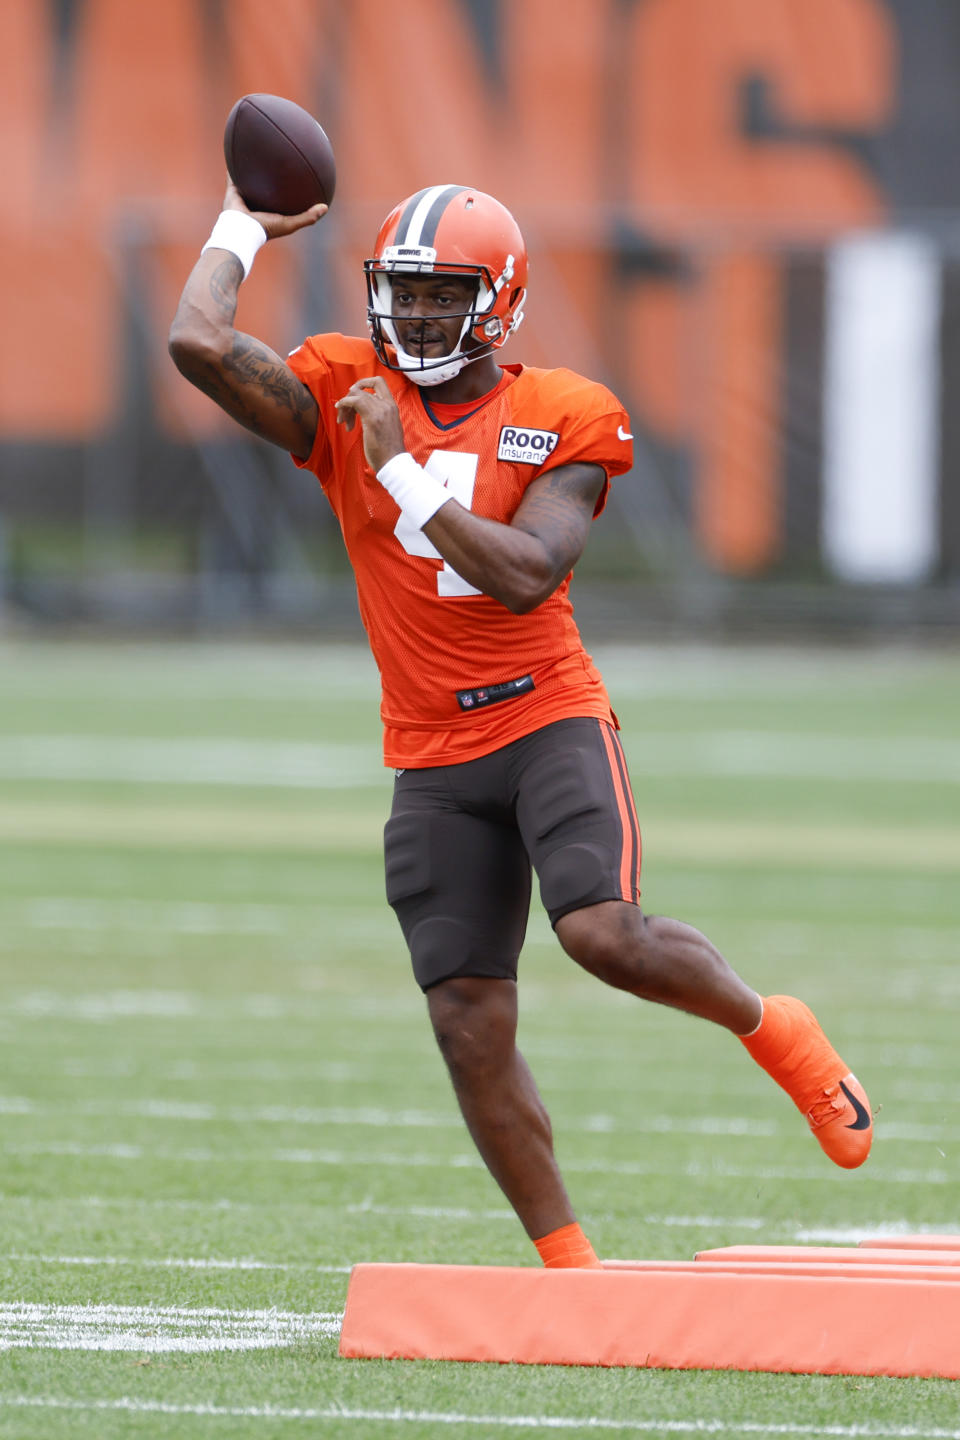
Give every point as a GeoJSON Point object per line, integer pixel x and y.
{"type": "Point", "coordinates": [418, 494]}
{"type": "Point", "coordinates": [240, 234]}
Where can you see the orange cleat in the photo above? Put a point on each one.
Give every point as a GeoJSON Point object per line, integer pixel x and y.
{"type": "Point", "coordinates": [794, 1051]}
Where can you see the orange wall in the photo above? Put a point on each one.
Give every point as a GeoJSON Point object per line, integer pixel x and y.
{"type": "Point", "coordinates": [603, 115]}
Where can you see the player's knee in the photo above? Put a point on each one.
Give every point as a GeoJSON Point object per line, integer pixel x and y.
{"type": "Point", "coordinates": [475, 1023]}
{"type": "Point", "coordinates": [609, 941]}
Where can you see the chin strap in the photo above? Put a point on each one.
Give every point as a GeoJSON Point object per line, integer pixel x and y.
{"type": "Point", "coordinates": [437, 374]}
{"type": "Point", "coordinates": [432, 372]}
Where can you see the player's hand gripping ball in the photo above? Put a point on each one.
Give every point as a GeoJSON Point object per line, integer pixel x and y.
{"type": "Point", "coordinates": [278, 156]}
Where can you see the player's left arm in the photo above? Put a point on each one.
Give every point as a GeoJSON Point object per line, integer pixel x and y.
{"type": "Point", "coordinates": [520, 564]}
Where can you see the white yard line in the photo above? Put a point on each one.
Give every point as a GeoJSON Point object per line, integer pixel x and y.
{"type": "Point", "coordinates": [380, 1118]}
{"type": "Point", "coordinates": [838, 1234]}
{"type": "Point", "coordinates": [156, 1328]}
{"type": "Point", "coordinates": [258, 764]}
{"type": "Point", "coordinates": [494, 1423]}
{"type": "Point", "coordinates": [141, 1202]}
{"type": "Point", "coordinates": [314, 1008]}
{"type": "Point", "coordinates": [341, 1072]}
{"type": "Point", "coordinates": [96, 913]}
{"type": "Point", "coordinates": [268, 674]}
{"type": "Point", "coordinates": [317, 1072]}
{"type": "Point", "coordinates": [430, 1212]}
{"type": "Point", "coordinates": [853, 1234]}
{"type": "Point", "coordinates": [101, 1006]}
{"type": "Point", "coordinates": [824, 1234]}
{"type": "Point", "coordinates": [191, 761]}
{"type": "Point", "coordinates": [96, 1006]}
{"type": "Point", "coordinates": [180, 917]}
{"type": "Point", "coordinates": [459, 1212]}
{"type": "Point", "coordinates": [174, 1262]}
{"type": "Point", "coordinates": [375, 1117]}
{"type": "Point", "coordinates": [254, 829]}
{"type": "Point", "coordinates": [385, 1160]}
{"type": "Point", "coordinates": [250, 829]}
{"type": "Point", "coordinates": [278, 673]}
{"type": "Point", "coordinates": [817, 1235]}
{"type": "Point", "coordinates": [139, 922]}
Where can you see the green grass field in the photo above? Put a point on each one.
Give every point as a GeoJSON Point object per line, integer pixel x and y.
{"type": "Point", "coordinates": [219, 1090]}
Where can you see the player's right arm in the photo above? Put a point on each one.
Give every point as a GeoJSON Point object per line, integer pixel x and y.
{"type": "Point", "coordinates": [245, 377]}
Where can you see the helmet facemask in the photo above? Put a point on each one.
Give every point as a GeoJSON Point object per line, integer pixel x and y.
{"type": "Point", "coordinates": [480, 323]}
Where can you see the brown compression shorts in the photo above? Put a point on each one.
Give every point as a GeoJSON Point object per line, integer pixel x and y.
{"type": "Point", "coordinates": [461, 839]}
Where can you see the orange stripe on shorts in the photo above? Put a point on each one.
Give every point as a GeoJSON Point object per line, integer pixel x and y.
{"type": "Point", "coordinates": [630, 825]}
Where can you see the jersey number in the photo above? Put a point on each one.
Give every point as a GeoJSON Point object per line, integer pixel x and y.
{"type": "Point", "coordinates": [458, 471]}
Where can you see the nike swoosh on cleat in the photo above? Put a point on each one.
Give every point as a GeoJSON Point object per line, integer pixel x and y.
{"type": "Point", "coordinates": [862, 1121]}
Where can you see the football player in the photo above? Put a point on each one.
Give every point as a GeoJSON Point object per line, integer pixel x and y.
{"type": "Point", "coordinates": [465, 489]}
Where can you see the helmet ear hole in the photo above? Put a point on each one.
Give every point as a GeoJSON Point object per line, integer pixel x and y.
{"type": "Point", "coordinates": [515, 295]}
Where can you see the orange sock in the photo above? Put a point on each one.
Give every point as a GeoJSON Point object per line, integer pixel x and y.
{"type": "Point", "coordinates": [567, 1249]}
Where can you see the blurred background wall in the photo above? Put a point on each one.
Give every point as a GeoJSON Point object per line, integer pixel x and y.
{"type": "Point", "coordinates": [743, 215]}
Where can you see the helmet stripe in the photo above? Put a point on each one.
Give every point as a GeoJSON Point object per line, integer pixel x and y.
{"type": "Point", "coordinates": [419, 221]}
{"type": "Point", "coordinates": [405, 218]}
{"type": "Point", "coordinates": [428, 229]}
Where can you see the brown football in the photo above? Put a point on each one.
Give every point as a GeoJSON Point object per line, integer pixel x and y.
{"type": "Point", "coordinates": [278, 156]}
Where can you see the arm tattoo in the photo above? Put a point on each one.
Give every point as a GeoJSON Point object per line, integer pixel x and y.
{"type": "Point", "coordinates": [242, 375]}
{"type": "Point", "coordinates": [253, 365]}
{"type": "Point", "coordinates": [225, 288]}
{"type": "Point", "coordinates": [559, 513]}
{"type": "Point", "coordinates": [249, 382]}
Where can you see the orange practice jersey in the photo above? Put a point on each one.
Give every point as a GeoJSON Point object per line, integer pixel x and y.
{"type": "Point", "coordinates": [461, 675]}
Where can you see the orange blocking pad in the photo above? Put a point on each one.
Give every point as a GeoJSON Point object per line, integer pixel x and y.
{"type": "Point", "coordinates": [667, 1316]}
{"type": "Point", "coordinates": [813, 1255]}
{"type": "Point", "coordinates": [913, 1242]}
{"type": "Point", "coordinates": [865, 1269]}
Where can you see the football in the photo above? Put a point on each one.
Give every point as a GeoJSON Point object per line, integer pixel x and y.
{"type": "Point", "coordinates": [278, 156]}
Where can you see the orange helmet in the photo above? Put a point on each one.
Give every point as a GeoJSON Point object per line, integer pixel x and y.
{"type": "Point", "coordinates": [449, 229]}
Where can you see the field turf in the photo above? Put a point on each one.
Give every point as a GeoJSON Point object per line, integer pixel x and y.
{"type": "Point", "coordinates": [218, 1090]}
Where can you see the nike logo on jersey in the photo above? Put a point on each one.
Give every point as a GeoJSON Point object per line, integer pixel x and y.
{"type": "Point", "coordinates": [623, 434]}
{"type": "Point", "coordinates": [526, 447]}
{"type": "Point", "coordinates": [862, 1121]}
